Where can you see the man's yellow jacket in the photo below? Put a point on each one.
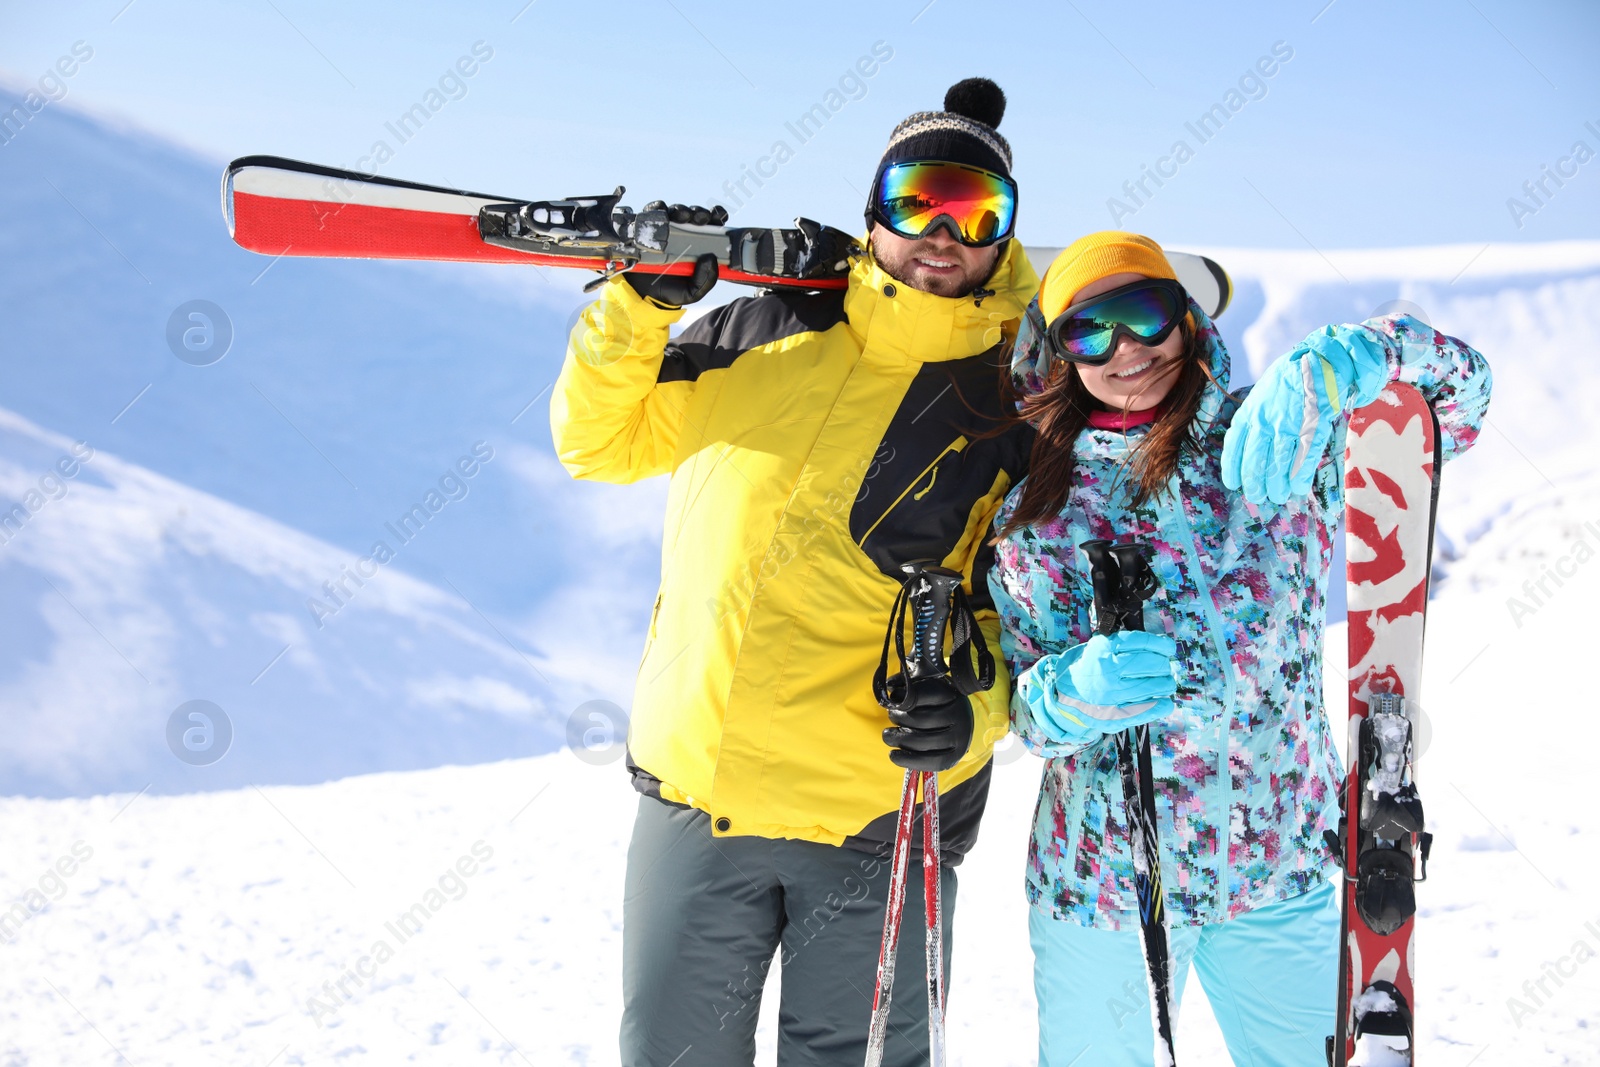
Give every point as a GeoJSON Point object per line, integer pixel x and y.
{"type": "Point", "coordinates": [815, 442]}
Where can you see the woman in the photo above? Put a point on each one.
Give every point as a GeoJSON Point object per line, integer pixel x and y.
{"type": "Point", "coordinates": [1126, 382]}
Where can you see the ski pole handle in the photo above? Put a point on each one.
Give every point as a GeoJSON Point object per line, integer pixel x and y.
{"type": "Point", "coordinates": [1138, 581]}
{"type": "Point", "coordinates": [1104, 576]}
{"type": "Point", "coordinates": [932, 590]}
{"type": "Point", "coordinates": [1122, 581]}
{"type": "Point", "coordinates": [932, 594]}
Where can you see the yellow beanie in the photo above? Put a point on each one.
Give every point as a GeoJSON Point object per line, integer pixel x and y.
{"type": "Point", "coordinates": [1088, 259]}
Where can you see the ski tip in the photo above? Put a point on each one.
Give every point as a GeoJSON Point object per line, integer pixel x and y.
{"type": "Point", "coordinates": [278, 162]}
{"type": "Point", "coordinates": [1207, 283]}
{"type": "Point", "coordinates": [231, 171]}
{"type": "Point", "coordinates": [1201, 276]}
{"type": "Point", "coordinates": [227, 195]}
{"type": "Point", "coordinates": [1224, 285]}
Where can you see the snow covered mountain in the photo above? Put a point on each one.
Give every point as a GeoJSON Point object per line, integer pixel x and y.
{"type": "Point", "coordinates": [128, 594]}
{"type": "Point", "coordinates": [196, 545]}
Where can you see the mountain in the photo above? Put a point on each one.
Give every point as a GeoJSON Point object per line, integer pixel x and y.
{"type": "Point", "coordinates": [222, 497]}
{"type": "Point", "coordinates": [191, 557]}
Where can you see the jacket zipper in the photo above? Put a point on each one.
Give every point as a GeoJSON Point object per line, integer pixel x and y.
{"type": "Point", "coordinates": [1220, 642]}
{"type": "Point", "coordinates": [954, 446]}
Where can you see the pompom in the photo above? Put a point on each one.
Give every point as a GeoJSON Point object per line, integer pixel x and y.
{"type": "Point", "coordinates": [977, 98]}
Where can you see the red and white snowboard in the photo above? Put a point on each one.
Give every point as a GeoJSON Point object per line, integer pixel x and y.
{"type": "Point", "coordinates": [1391, 489]}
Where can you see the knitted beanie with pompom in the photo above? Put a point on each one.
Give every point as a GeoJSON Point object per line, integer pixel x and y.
{"type": "Point", "coordinates": [964, 132]}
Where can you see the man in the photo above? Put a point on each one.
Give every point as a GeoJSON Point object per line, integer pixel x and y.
{"type": "Point", "coordinates": [815, 441]}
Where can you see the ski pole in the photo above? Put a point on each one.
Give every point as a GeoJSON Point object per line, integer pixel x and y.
{"type": "Point", "coordinates": [878, 1032]}
{"type": "Point", "coordinates": [933, 909]}
{"type": "Point", "coordinates": [883, 992]}
{"type": "Point", "coordinates": [1123, 581]}
{"type": "Point", "coordinates": [933, 596]}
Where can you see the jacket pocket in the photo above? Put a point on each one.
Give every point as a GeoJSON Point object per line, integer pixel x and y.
{"type": "Point", "coordinates": [919, 487]}
{"type": "Point", "coordinates": [650, 634]}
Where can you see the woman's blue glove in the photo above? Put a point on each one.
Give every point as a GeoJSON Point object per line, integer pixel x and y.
{"type": "Point", "coordinates": [1280, 432]}
{"type": "Point", "coordinates": [1104, 686]}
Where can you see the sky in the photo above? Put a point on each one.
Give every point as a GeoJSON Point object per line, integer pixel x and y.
{"type": "Point", "coordinates": [1353, 123]}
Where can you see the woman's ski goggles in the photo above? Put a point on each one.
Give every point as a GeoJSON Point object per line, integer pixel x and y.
{"type": "Point", "coordinates": [1146, 310]}
{"type": "Point", "coordinates": [912, 198]}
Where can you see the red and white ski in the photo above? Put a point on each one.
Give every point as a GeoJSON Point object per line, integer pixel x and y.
{"type": "Point", "coordinates": [283, 207]}
{"type": "Point", "coordinates": [1391, 491]}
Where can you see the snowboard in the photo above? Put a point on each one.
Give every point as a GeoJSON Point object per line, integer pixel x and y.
{"type": "Point", "coordinates": [283, 207]}
{"type": "Point", "coordinates": [1391, 484]}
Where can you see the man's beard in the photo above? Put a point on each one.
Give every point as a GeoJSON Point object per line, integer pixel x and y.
{"type": "Point", "coordinates": [900, 270]}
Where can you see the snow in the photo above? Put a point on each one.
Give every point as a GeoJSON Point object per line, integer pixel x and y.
{"type": "Point", "coordinates": [1392, 731]}
{"type": "Point", "coordinates": [166, 912]}
{"type": "Point", "coordinates": [1371, 1052]}
{"type": "Point", "coordinates": [1373, 1000]}
{"type": "Point", "coordinates": [200, 928]}
{"type": "Point", "coordinates": [210, 927]}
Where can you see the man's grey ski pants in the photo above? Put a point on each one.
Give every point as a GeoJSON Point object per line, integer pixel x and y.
{"type": "Point", "coordinates": [704, 917]}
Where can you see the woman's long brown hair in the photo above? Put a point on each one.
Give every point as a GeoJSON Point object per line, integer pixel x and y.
{"type": "Point", "coordinates": [1060, 412]}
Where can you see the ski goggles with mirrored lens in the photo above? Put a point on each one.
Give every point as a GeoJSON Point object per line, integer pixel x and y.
{"type": "Point", "coordinates": [1147, 310]}
{"type": "Point", "coordinates": [912, 198]}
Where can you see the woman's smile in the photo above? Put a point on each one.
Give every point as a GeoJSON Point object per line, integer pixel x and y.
{"type": "Point", "coordinates": [1134, 372]}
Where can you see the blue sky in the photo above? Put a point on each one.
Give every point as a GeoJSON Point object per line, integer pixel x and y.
{"type": "Point", "coordinates": [1388, 125]}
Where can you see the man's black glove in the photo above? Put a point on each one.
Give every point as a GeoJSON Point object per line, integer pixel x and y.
{"type": "Point", "coordinates": [677, 290]}
{"type": "Point", "coordinates": [691, 214]}
{"type": "Point", "coordinates": [934, 733]}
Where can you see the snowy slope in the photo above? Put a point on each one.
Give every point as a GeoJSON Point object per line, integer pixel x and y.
{"type": "Point", "coordinates": [216, 928]}
{"type": "Point", "coordinates": [198, 929]}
